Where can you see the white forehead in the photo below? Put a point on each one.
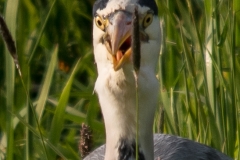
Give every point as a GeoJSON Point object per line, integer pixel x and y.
{"type": "Point", "coordinates": [127, 5]}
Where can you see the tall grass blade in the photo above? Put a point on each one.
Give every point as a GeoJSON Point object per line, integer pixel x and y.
{"type": "Point", "coordinates": [58, 120]}
{"type": "Point", "coordinates": [136, 66]}
{"type": "Point", "coordinates": [46, 84]}
{"type": "Point", "coordinates": [11, 20]}
{"type": "Point", "coordinates": [41, 32]}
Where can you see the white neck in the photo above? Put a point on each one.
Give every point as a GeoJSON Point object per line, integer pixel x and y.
{"type": "Point", "coordinates": [117, 96]}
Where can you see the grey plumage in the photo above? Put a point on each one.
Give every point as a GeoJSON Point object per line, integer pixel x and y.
{"type": "Point", "coordinates": [169, 147]}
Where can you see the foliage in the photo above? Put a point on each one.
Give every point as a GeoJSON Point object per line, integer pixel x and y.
{"type": "Point", "coordinates": [199, 72]}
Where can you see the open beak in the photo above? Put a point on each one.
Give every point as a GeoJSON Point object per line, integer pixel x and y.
{"type": "Point", "coordinates": [118, 39]}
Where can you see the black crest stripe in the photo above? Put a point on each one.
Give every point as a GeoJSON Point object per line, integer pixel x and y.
{"type": "Point", "coordinates": [149, 3]}
{"type": "Point", "coordinates": [101, 4]}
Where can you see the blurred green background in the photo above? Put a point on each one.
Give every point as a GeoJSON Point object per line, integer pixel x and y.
{"type": "Point", "coordinates": [199, 73]}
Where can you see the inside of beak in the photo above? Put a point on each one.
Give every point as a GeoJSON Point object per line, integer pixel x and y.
{"type": "Point", "coordinates": [123, 54]}
{"type": "Point", "coordinates": [123, 51]}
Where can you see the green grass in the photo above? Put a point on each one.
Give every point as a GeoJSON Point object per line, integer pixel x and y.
{"type": "Point", "coordinates": [199, 72]}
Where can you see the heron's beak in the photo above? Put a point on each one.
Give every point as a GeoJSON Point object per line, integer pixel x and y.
{"type": "Point", "coordinates": [119, 41]}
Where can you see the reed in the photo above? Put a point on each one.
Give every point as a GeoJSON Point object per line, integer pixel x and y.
{"type": "Point", "coordinates": [201, 99]}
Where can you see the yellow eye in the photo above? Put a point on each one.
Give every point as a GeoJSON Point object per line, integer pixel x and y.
{"type": "Point", "coordinates": [100, 22]}
{"type": "Point", "coordinates": [147, 20]}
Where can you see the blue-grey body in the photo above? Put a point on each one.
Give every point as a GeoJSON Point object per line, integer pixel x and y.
{"type": "Point", "coordinates": [169, 147]}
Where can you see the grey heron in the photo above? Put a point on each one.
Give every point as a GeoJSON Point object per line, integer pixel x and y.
{"type": "Point", "coordinates": [115, 87]}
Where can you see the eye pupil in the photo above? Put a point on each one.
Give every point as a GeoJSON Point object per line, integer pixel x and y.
{"type": "Point", "coordinates": [99, 23]}
{"type": "Point", "coordinates": [148, 20]}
